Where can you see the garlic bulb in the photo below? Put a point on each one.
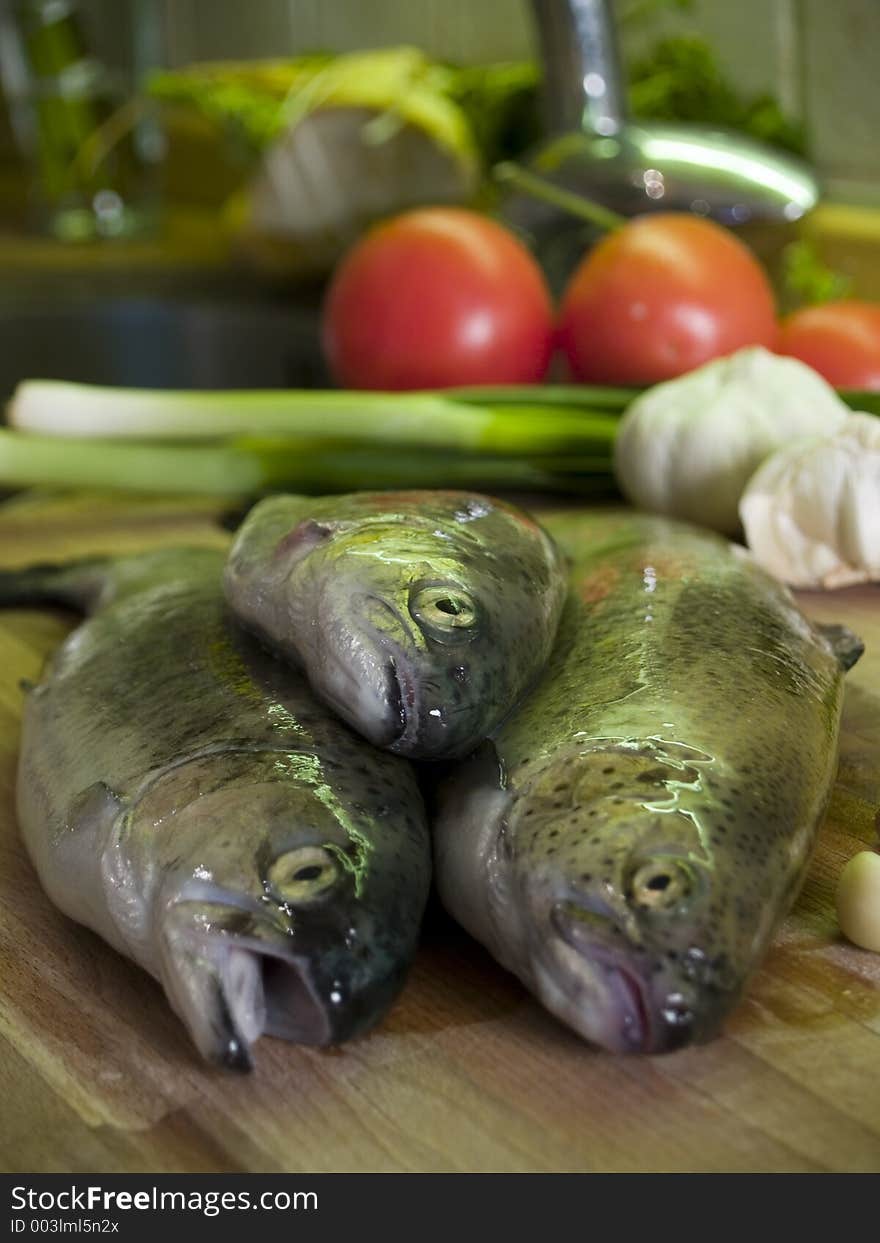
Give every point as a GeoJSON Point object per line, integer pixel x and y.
{"type": "Point", "coordinates": [688, 447]}
{"type": "Point", "coordinates": [811, 512]}
{"type": "Point", "coordinates": [858, 900]}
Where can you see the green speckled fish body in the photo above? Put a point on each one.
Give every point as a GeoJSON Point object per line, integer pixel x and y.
{"type": "Point", "coordinates": [420, 617]}
{"type": "Point", "coordinates": [633, 836]}
{"type": "Point", "coordinates": [184, 795]}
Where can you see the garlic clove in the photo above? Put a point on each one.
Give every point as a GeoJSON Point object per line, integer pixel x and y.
{"type": "Point", "coordinates": [811, 512]}
{"type": "Point", "coordinates": [858, 900]}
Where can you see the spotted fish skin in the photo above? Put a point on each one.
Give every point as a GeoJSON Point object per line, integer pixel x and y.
{"type": "Point", "coordinates": [631, 838]}
{"type": "Point", "coordinates": [185, 796]}
{"type": "Point", "coordinates": [420, 617]}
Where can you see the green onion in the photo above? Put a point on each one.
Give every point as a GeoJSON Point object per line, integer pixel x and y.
{"type": "Point", "coordinates": [867, 402]}
{"type": "Point", "coordinates": [550, 397]}
{"type": "Point", "coordinates": [401, 420]}
{"type": "Point", "coordinates": [351, 468]}
{"type": "Point", "coordinates": [247, 467]}
{"type": "Point", "coordinates": [243, 443]}
{"type": "Point", "coordinates": [36, 461]}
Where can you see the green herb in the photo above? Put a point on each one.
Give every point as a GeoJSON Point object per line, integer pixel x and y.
{"type": "Point", "coordinates": [501, 104]}
{"type": "Point", "coordinates": [806, 280]}
{"type": "Point", "coordinates": [261, 100]}
{"type": "Point", "coordinates": [680, 79]}
{"type": "Point", "coordinates": [510, 174]}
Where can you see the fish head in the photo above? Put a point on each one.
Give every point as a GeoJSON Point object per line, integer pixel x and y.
{"type": "Point", "coordinates": [424, 628]}
{"type": "Point", "coordinates": [632, 939]}
{"type": "Point", "coordinates": [275, 914]}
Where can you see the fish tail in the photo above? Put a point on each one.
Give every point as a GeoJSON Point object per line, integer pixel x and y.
{"type": "Point", "coordinates": [76, 584]}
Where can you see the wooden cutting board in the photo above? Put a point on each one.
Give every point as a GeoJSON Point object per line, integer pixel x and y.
{"type": "Point", "coordinates": [467, 1072]}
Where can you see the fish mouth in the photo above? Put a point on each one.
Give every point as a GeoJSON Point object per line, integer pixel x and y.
{"type": "Point", "coordinates": [629, 992]}
{"type": "Point", "coordinates": [401, 698]}
{"type": "Point", "coordinates": [390, 721]}
{"type": "Point", "coordinates": [608, 997]}
{"type": "Point", "coordinates": [602, 1000]}
{"type": "Point", "coordinates": [372, 697]}
{"type": "Point", "coordinates": [229, 992]}
{"type": "Point", "coordinates": [396, 695]}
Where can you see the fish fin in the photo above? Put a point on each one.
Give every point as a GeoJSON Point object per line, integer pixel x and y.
{"type": "Point", "coordinates": [91, 583]}
{"type": "Point", "coordinates": [232, 519]}
{"type": "Point", "coordinates": [845, 645]}
{"type": "Point", "coordinates": [78, 584]}
{"type": "Point", "coordinates": [470, 812]}
{"type": "Point", "coordinates": [95, 802]}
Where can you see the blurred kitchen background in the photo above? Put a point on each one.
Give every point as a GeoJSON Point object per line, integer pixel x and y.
{"type": "Point", "coordinates": [141, 178]}
{"type": "Point", "coordinates": [819, 60]}
{"type": "Point", "coordinates": [814, 61]}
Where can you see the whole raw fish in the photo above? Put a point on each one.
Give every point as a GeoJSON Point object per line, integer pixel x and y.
{"type": "Point", "coordinates": [633, 835]}
{"type": "Point", "coordinates": [184, 795]}
{"type": "Point", "coordinates": [420, 617]}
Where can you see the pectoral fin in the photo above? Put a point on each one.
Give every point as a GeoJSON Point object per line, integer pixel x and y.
{"type": "Point", "coordinates": [847, 647]}
{"type": "Point", "coordinates": [469, 815]}
{"type": "Point", "coordinates": [80, 584]}
{"type": "Point", "coordinates": [97, 804]}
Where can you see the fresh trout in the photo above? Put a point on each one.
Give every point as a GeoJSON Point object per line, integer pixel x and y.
{"type": "Point", "coordinates": [183, 794]}
{"type": "Point", "coordinates": [632, 837]}
{"type": "Point", "coordinates": [421, 618]}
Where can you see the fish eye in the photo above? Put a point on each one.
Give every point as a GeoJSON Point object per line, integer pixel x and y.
{"type": "Point", "coordinates": [303, 874]}
{"type": "Point", "coordinates": [662, 884]}
{"type": "Point", "coordinates": [444, 611]}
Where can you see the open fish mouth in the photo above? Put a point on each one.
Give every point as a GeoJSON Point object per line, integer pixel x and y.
{"type": "Point", "coordinates": [235, 971]}
{"type": "Point", "coordinates": [230, 991]}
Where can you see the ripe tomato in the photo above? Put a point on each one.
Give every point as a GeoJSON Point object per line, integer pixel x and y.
{"type": "Point", "coordinates": [659, 296]}
{"type": "Point", "coordinates": [840, 340]}
{"type": "Point", "coordinates": [437, 297]}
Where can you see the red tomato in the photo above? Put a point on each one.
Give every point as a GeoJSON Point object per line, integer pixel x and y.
{"type": "Point", "coordinates": [437, 297]}
{"type": "Point", "coordinates": [840, 340]}
{"type": "Point", "coordinates": [661, 295]}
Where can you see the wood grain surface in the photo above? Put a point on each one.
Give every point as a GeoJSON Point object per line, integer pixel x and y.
{"type": "Point", "coordinates": [467, 1072]}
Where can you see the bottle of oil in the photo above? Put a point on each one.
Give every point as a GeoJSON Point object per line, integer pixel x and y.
{"type": "Point", "coordinates": [74, 121]}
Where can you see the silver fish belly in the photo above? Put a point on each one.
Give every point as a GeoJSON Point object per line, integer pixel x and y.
{"type": "Point", "coordinates": [185, 796]}
{"type": "Point", "coordinates": [420, 617]}
{"type": "Point", "coordinates": [630, 839]}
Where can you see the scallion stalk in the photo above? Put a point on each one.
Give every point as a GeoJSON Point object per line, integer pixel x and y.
{"type": "Point", "coordinates": [249, 467]}
{"type": "Point", "coordinates": [549, 397]}
{"type": "Point", "coordinates": [349, 468]}
{"type": "Point", "coordinates": [47, 461]}
{"type": "Point", "coordinates": [863, 400]}
{"type": "Point", "coordinates": [399, 420]}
